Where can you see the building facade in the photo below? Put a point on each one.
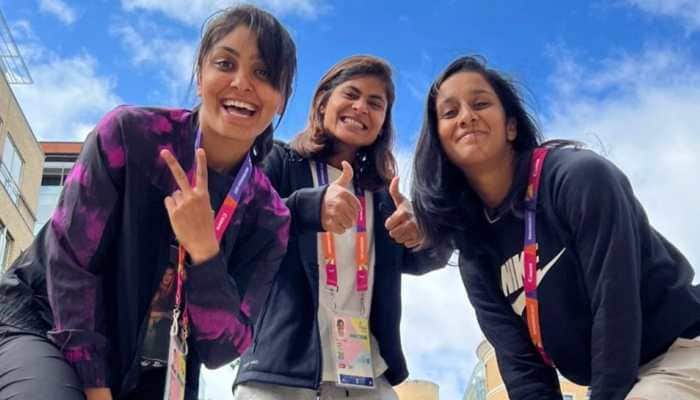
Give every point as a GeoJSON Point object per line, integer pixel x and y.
{"type": "Point", "coordinates": [417, 389]}
{"type": "Point", "coordinates": [21, 161]}
{"type": "Point", "coordinates": [486, 383]}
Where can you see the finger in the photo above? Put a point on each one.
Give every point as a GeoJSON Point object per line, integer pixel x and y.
{"type": "Point", "coordinates": [351, 203]}
{"type": "Point", "coordinates": [202, 173]}
{"type": "Point", "coordinates": [412, 244]}
{"type": "Point", "coordinates": [344, 219]}
{"type": "Point", "coordinates": [178, 174]}
{"type": "Point", "coordinates": [394, 191]}
{"type": "Point", "coordinates": [333, 227]}
{"type": "Point", "coordinates": [178, 198]}
{"type": "Point", "coordinates": [346, 176]}
{"type": "Point", "coordinates": [404, 232]}
{"type": "Point", "coordinates": [337, 229]}
{"type": "Point", "coordinates": [169, 204]}
{"type": "Point", "coordinates": [396, 219]}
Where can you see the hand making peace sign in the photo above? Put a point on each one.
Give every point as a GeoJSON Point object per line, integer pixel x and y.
{"type": "Point", "coordinates": [189, 209]}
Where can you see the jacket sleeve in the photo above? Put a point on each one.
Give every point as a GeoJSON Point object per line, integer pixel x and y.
{"type": "Point", "coordinates": [604, 218]}
{"type": "Point", "coordinates": [304, 204]}
{"type": "Point", "coordinates": [224, 301]}
{"type": "Point", "coordinates": [76, 239]}
{"type": "Point", "coordinates": [423, 261]}
{"type": "Point", "coordinates": [524, 373]}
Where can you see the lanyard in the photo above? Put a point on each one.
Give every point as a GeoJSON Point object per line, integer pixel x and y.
{"type": "Point", "coordinates": [361, 251]}
{"type": "Point", "coordinates": [221, 222]}
{"type": "Point", "coordinates": [530, 252]}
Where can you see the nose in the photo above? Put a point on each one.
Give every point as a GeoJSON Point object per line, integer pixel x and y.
{"type": "Point", "coordinates": [360, 105]}
{"type": "Point", "coordinates": [468, 117]}
{"type": "Point", "coordinates": [241, 81]}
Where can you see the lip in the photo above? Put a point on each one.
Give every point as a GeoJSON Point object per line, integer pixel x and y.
{"type": "Point", "coordinates": [249, 103]}
{"type": "Point", "coordinates": [241, 109]}
{"type": "Point", "coordinates": [468, 134]}
{"type": "Point", "coordinates": [365, 124]}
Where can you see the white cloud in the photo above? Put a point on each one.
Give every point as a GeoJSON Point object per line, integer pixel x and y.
{"type": "Point", "coordinates": [439, 330]}
{"type": "Point", "coordinates": [643, 109]}
{"type": "Point", "coordinates": [438, 327]}
{"type": "Point", "coordinates": [149, 45]}
{"type": "Point", "coordinates": [68, 95]}
{"type": "Point", "coordinates": [688, 11]}
{"type": "Point", "coordinates": [67, 98]}
{"type": "Point", "coordinates": [193, 12]}
{"type": "Point", "coordinates": [59, 9]}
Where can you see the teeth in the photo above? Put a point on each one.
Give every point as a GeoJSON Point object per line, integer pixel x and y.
{"type": "Point", "coordinates": [239, 104]}
{"type": "Point", "coordinates": [353, 121]}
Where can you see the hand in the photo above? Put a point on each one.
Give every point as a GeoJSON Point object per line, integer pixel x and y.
{"type": "Point", "coordinates": [189, 210]}
{"type": "Point", "coordinates": [402, 225]}
{"type": "Point", "coordinates": [340, 207]}
{"type": "Point", "coordinates": [98, 394]}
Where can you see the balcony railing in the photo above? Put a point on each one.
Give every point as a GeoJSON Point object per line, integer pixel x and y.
{"type": "Point", "coordinates": [15, 195]}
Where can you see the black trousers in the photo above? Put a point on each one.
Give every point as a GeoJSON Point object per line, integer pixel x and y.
{"type": "Point", "coordinates": [31, 367]}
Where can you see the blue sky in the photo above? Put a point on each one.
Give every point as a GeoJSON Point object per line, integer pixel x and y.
{"type": "Point", "coordinates": [621, 75]}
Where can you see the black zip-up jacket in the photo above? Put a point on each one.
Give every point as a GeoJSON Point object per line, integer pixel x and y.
{"type": "Point", "coordinates": [613, 293]}
{"type": "Point", "coordinates": [286, 344]}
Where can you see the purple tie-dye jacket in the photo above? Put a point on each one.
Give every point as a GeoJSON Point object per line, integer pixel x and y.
{"type": "Point", "coordinates": [107, 245]}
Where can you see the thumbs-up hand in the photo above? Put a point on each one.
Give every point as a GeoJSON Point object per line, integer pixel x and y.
{"type": "Point", "coordinates": [402, 225]}
{"type": "Point", "coordinates": [340, 207]}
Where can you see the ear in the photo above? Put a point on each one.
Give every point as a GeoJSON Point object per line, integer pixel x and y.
{"type": "Point", "coordinates": [511, 129]}
{"type": "Point", "coordinates": [280, 106]}
{"type": "Point", "coordinates": [199, 84]}
{"type": "Point", "coordinates": [322, 109]}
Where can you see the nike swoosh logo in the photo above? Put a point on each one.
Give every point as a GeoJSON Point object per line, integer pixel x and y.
{"type": "Point", "coordinates": [519, 303]}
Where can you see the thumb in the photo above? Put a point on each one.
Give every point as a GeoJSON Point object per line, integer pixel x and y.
{"type": "Point", "coordinates": [394, 191]}
{"type": "Point", "coordinates": [346, 177]}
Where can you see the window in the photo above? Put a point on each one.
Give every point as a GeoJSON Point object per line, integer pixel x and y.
{"type": "Point", "coordinates": [5, 246]}
{"type": "Point", "coordinates": [11, 169]}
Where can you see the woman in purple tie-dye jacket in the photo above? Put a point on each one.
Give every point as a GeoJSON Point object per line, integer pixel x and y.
{"type": "Point", "coordinates": [85, 311]}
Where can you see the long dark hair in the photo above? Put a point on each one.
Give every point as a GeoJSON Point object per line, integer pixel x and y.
{"type": "Point", "coordinates": [277, 51]}
{"type": "Point", "coordinates": [447, 209]}
{"type": "Point", "coordinates": [375, 164]}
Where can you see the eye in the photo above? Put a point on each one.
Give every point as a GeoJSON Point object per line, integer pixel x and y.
{"type": "Point", "coordinates": [447, 113]}
{"type": "Point", "coordinates": [377, 105]}
{"type": "Point", "coordinates": [481, 104]}
{"type": "Point", "coordinates": [262, 73]}
{"type": "Point", "coordinates": [223, 64]}
{"type": "Point", "coordinates": [350, 95]}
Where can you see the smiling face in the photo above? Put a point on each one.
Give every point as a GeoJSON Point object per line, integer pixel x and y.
{"type": "Point", "coordinates": [472, 124]}
{"type": "Point", "coordinates": [355, 111]}
{"type": "Point", "coordinates": [238, 100]}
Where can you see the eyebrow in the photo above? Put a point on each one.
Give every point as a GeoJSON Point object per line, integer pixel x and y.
{"type": "Point", "coordinates": [371, 96]}
{"type": "Point", "coordinates": [236, 54]}
{"type": "Point", "coordinates": [472, 92]}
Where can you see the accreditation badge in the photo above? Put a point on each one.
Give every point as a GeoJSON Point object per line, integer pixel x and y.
{"type": "Point", "coordinates": [352, 352]}
{"type": "Point", "coordinates": [177, 366]}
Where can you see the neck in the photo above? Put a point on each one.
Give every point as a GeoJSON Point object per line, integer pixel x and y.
{"type": "Point", "coordinates": [492, 183]}
{"type": "Point", "coordinates": [223, 154]}
{"type": "Point", "coordinates": [342, 152]}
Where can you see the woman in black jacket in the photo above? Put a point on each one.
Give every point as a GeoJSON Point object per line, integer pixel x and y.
{"type": "Point", "coordinates": [86, 310]}
{"type": "Point", "coordinates": [557, 255]}
{"type": "Point", "coordinates": [337, 178]}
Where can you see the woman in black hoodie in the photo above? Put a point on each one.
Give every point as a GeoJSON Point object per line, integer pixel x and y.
{"type": "Point", "coordinates": [557, 255]}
